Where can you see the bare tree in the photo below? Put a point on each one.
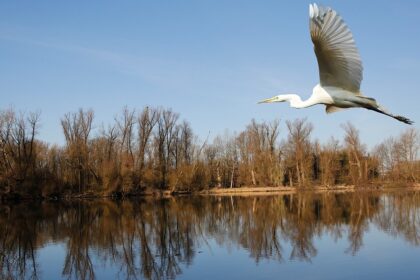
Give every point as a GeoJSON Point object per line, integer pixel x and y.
{"type": "Point", "coordinates": [164, 139]}
{"type": "Point", "coordinates": [259, 162]}
{"type": "Point", "coordinates": [125, 125]}
{"type": "Point", "coordinates": [399, 157]}
{"type": "Point", "coordinates": [409, 144]}
{"type": "Point", "coordinates": [299, 149]}
{"type": "Point", "coordinates": [186, 142]}
{"type": "Point", "coordinates": [105, 158]}
{"type": "Point", "coordinates": [77, 128]}
{"type": "Point", "coordinates": [146, 122]}
{"type": "Point", "coordinates": [126, 158]}
{"type": "Point", "coordinates": [329, 162]}
{"type": "Point", "coordinates": [356, 153]}
{"type": "Point", "coordinates": [18, 147]}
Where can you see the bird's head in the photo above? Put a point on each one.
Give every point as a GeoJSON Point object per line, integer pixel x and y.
{"type": "Point", "coordinates": [277, 98]}
{"type": "Point", "coordinates": [272, 100]}
{"type": "Point", "coordinates": [294, 100]}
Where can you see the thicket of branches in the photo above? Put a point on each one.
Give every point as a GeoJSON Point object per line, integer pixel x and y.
{"type": "Point", "coordinates": [154, 149]}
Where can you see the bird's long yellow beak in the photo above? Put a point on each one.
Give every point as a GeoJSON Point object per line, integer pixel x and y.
{"type": "Point", "coordinates": [268, 100]}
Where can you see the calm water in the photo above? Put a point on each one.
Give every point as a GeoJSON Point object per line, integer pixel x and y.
{"type": "Point", "coordinates": [361, 235]}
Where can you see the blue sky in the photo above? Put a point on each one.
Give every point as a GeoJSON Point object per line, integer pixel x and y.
{"type": "Point", "coordinates": [209, 60]}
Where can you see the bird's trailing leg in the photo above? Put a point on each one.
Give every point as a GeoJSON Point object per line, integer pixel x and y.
{"type": "Point", "coordinates": [371, 104]}
{"type": "Point", "coordinates": [397, 117]}
{"type": "Point", "coordinates": [379, 109]}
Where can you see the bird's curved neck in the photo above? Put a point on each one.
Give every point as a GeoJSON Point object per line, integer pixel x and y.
{"type": "Point", "coordinates": [296, 102]}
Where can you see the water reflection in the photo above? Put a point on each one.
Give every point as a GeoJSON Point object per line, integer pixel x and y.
{"type": "Point", "coordinates": [158, 238]}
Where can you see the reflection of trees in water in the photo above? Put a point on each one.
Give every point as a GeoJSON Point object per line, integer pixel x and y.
{"type": "Point", "coordinates": [401, 216]}
{"type": "Point", "coordinates": [154, 238]}
{"type": "Point", "coordinates": [78, 228]}
{"type": "Point", "coordinates": [18, 243]}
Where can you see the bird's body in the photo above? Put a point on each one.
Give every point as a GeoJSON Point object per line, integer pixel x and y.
{"type": "Point", "coordinates": [340, 67]}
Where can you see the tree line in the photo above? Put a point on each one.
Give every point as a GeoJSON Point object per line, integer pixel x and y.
{"type": "Point", "coordinates": [153, 149]}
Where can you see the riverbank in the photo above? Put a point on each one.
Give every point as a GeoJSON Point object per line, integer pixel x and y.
{"type": "Point", "coordinates": [273, 190]}
{"type": "Point", "coordinates": [242, 191]}
{"type": "Point", "coordinates": [249, 191]}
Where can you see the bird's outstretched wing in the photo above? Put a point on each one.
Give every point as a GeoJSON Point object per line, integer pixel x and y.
{"type": "Point", "coordinates": [338, 58]}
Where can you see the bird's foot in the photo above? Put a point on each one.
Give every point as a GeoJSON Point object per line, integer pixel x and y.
{"type": "Point", "coordinates": [404, 119]}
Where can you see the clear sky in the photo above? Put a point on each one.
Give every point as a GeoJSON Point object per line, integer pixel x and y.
{"type": "Point", "coordinates": [209, 60]}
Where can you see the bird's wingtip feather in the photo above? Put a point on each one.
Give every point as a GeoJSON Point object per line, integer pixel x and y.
{"type": "Point", "coordinates": [316, 10]}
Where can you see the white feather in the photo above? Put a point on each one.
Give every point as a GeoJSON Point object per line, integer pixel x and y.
{"type": "Point", "coordinates": [311, 11]}
{"type": "Point", "coordinates": [316, 10]}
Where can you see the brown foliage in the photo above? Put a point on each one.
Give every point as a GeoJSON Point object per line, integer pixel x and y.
{"type": "Point", "coordinates": [399, 157]}
{"type": "Point", "coordinates": [299, 152]}
{"type": "Point", "coordinates": [18, 149]}
{"type": "Point", "coordinates": [154, 149]}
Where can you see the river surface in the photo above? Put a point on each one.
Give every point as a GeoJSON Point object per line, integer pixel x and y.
{"type": "Point", "coordinates": [355, 235]}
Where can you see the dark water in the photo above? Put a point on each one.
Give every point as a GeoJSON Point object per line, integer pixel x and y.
{"type": "Point", "coordinates": [360, 235]}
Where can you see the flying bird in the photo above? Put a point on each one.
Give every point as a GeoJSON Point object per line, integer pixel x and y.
{"type": "Point", "coordinates": [340, 67]}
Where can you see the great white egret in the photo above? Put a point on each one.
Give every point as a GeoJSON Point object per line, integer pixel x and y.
{"type": "Point", "coordinates": [340, 67]}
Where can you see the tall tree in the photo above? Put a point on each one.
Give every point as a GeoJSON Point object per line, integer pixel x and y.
{"type": "Point", "coordinates": [356, 154]}
{"type": "Point", "coordinates": [18, 157]}
{"type": "Point", "coordinates": [77, 128]}
{"type": "Point", "coordinates": [299, 150]}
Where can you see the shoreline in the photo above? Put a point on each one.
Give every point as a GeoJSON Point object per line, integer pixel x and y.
{"type": "Point", "coordinates": [241, 191]}
{"type": "Point", "coordinates": [251, 191]}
